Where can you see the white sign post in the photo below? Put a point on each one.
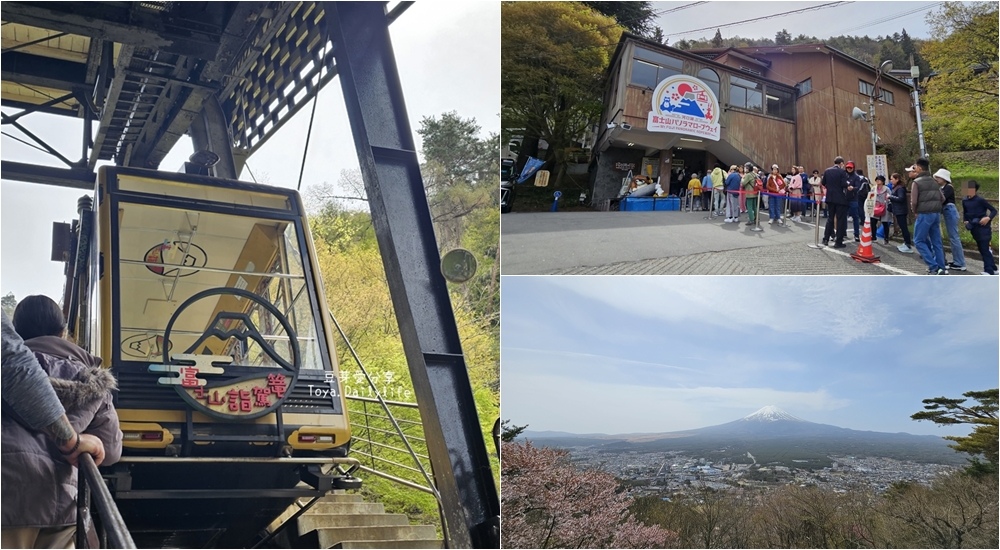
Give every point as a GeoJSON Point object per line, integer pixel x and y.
{"type": "Point", "coordinates": [877, 165]}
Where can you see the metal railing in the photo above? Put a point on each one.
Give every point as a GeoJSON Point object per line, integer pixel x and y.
{"type": "Point", "coordinates": [373, 442]}
{"type": "Point", "coordinates": [113, 532]}
{"type": "Point", "coordinates": [377, 433]}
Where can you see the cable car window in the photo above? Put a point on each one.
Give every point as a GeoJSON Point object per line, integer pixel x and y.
{"type": "Point", "coordinates": [221, 194]}
{"type": "Point", "coordinates": [169, 255]}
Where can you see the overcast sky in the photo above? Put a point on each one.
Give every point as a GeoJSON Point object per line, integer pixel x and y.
{"type": "Point", "coordinates": [845, 18]}
{"type": "Point", "coordinates": [659, 354]}
{"type": "Point", "coordinates": [448, 55]}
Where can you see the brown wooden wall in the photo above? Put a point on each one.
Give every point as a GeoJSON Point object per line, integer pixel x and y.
{"type": "Point", "coordinates": [765, 140]}
{"type": "Point", "coordinates": [638, 104]}
{"type": "Point", "coordinates": [817, 129]}
{"type": "Point", "coordinates": [825, 126]}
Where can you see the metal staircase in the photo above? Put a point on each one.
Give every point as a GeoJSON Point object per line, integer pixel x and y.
{"type": "Point", "coordinates": [343, 520]}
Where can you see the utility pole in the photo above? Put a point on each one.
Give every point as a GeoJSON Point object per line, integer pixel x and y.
{"type": "Point", "coordinates": [915, 75]}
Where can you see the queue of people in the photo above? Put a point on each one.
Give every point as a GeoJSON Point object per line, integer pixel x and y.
{"type": "Point", "coordinates": [57, 405]}
{"type": "Point", "coordinates": [841, 192]}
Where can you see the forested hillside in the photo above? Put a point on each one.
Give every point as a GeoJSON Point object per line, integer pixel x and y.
{"type": "Point", "coordinates": [461, 175]}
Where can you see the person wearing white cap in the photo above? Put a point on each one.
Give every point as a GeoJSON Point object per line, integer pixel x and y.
{"type": "Point", "coordinates": [950, 213]}
{"type": "Point", "coordinates": [926, 201]}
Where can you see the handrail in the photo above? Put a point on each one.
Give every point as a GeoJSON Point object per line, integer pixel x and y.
{"type": "Point", "coordinates": [378, 395]}
{"type": "Point", "coordinates": [398, 480]}
{"type": "Point", "coordinates": [111, 518]}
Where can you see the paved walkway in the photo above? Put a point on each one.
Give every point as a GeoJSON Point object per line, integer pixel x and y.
{"type": "Point", "coordinates": [682, 243]}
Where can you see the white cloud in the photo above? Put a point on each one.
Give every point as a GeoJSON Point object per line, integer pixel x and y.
{"type": "Point", "coordinates": [841, 309]}
{"type": "Point", "coordinates": [584, 405]}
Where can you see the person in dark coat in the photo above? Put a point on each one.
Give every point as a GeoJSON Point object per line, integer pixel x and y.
{"type": "Point", "coordinates": [837, 187]}
{"type": "Point", "coordinates": [900, 209]}
{"type": "Point", "coordinates": [855, 200]}
{"type": "Point", "coordinates": [39, 490]}
{"type": "Point", "coordinates": [979, 215]}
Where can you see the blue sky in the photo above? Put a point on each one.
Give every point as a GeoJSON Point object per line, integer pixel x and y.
{"type": "Point", "coordinates": [658, 354]}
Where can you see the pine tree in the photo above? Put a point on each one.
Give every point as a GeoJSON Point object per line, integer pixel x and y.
{"type": "Point", "coordinates": [717, 39]}
{"type": "Point", "coordinates": [983, 440]}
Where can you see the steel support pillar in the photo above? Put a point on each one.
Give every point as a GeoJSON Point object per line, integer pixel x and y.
{"type": "Point", "coordinates": [210, 132]}
{"type": "Point", "coordinates": [402, 222]}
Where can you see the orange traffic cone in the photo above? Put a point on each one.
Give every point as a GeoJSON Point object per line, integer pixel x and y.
{"type": "Point", "coordinates": [864, 253]}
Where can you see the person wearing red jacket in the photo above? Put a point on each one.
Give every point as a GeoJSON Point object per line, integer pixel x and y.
{"type": "Point", "coordinates": [777, 189]}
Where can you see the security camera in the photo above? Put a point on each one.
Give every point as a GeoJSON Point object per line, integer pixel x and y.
{"type": "Point", "coordinates": [626, 126]}
{"type": "Point", "coordinates": [611, 125]}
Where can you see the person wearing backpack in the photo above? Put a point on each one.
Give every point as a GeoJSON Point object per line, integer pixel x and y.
{"type": "Point", "coordinates": [39, 490]}
{"type": "Point", "coordinates": [751, 187]}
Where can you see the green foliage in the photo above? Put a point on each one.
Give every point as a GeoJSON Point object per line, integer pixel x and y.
{"type": "Point", "coordinates": [983, 441]}
{"type": "Point", "coordinates": [717, 41]}
{"type": "Point", "coordinates": [953, 511]}
{"type": "Point", "coordinates": [961, 100]}
{"type": "Point", "coordinates": [462, 195]}
{"type": "Point", "coordinates": [637, 17]}
{"type": "Point", "coordinates": [509, 432]}
{"type": "Point", "coordinates": [453, 144]}
{"type": "Point", "coordinates": [9, 302]}
{"type": "Point", "coordinates": [555, 55]}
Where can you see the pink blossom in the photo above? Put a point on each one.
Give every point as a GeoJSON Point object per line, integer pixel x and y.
{"type": "Point", "coordinates": [547, 503]}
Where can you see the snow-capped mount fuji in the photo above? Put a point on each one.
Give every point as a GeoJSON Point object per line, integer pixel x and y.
{"type": "Point", "coordinates": [772, 434]}
{"type": "Point", "coordinates": [770, 413]}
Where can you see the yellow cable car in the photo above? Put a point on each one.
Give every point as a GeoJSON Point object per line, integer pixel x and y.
{"type": "Point", "coordinates": [204, 299]}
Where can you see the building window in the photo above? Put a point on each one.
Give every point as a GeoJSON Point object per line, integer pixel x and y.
{"type": "Point", "coordinates": [644, 74]}
{"type": "Point", "coordinates": [780, 104]}
{"type": "Point", "coordinates": [649, 68]}
{"type": "Point", "coordinates": [867, 89]}
{"type": "Point", "coordinates": [804, 87]}
{"type": "Point", "coordinates": [711, 79]}
{"type": "Point", "coordinates": [659, 59]}
{"type": "Point", "coordinates": [745, 94]}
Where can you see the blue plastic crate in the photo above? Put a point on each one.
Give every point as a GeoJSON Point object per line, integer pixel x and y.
{"type": "Point", "coordinates": [667, 203]}
{"type": "Point", "coordinates": [637, 204]}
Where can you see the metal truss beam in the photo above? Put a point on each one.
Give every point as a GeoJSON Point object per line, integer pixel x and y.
{"type": "Point", "coordinates": [402, 221]}
{"type": "Point", "coordinates": [158, 138]}
{"type": "Point", "coordinates": [75, 178]}
{"type": "Point", "coordinates": [47, 72]}
{"type": "Point", "coordinates": [124, 23]}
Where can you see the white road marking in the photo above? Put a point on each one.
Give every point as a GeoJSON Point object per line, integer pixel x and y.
{"type": "Point", "coordinates": [895, 270]}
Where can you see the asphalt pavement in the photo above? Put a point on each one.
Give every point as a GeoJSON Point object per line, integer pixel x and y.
{"type": "Point", "coordinates": [684, 243]}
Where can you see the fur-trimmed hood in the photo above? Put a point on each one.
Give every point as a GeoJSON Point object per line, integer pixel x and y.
{"type": "Point", "coordinates": [90, 384]}
{"type": "Point", "coordinates": [39, 486]}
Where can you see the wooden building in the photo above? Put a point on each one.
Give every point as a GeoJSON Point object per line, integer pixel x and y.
{"type": "Point", "coordinates": [785, 105]}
